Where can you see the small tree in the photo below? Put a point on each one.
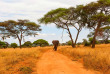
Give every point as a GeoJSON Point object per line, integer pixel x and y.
{"type": "Point", "coordinates": [41, 42]}
{"type": "Point", "coordinates": [27, 44]}
{"type": "Point", "coordinates": [14, 45]}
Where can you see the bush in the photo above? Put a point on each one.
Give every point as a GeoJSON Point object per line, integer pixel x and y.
{"type": "Point", "coordinates": [107, 41]}
{"type": "Point", "coordinates": [14, 45]}
{"type": "Point", "coordinates": [69, 42]}
{"type": "Point", "coordinates": [91, 40]}
{"type": "Point", "coordinates": [41, 42]}
{"type": "Point", "coordinates": [2, 44]}
{"type": "Point", "coordinates": [86, 43]}
{"type": "Point", "coordinates": [27, 44]}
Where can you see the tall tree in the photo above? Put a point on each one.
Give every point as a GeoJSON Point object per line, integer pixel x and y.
{"type": "Point", "coordinates": [97, 16]}
{"type": "Point", "coordinates": [19, 29]}
{"type": "Point", "coordinates": [61, 18]}
{"type": "Point", "coordinates": [77, 19]}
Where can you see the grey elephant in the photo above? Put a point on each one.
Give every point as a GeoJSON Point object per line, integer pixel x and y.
{"type": "Point", "coordinates": [55, 43]}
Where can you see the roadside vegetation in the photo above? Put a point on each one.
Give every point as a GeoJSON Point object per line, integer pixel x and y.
{"type": "Point", "coordinates": [13, 61]}
{"type": "Point", "coordinates": [98, 59]}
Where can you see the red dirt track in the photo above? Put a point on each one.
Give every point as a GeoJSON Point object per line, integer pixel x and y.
{"type": "Point", "coordinates": [52, 62]}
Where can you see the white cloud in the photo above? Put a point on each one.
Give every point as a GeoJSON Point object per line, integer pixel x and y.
{"type": "Point", "coordinates": [30, 38]}
{"type": "Point", "coordinates": [33, 10]}
{"type": "Point", "coordinates": [43, 34]}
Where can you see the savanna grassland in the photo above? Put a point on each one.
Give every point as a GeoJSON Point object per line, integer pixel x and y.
{"type": "Point", "coordinates": [97, 58]}
{"type": "Point", "coordinates": [19, 61]}
{"type": "Point", "coordinates": [23, 61]}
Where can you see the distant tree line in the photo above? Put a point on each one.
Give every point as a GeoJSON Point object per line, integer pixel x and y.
{"type": "Point", "coordinates": [39, 42]}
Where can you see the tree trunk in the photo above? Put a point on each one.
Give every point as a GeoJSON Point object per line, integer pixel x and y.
{"type": "Point", "coordinates": [73, 45]}
{"type": "Point", "coordinates": [20, 43]}
{"type": "Point", "coordinates": [77, 37]}
{"type": "Point", "coordinates": [96, 31]}
{"type": "Point", "coordinates": [19, 40]}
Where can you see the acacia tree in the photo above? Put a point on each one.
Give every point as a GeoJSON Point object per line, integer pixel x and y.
{"type": "Point", "coordinates": [61, 17]}
{"type": "Point", "coordinates": [97, 16]}
{"type": "Point", "coordinates": [78, 20]}
{"type": "Point", "coordinates": [19, 29]}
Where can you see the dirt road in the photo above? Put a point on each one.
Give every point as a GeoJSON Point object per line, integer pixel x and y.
{"type": "Point", "coordinates": [53, 62]}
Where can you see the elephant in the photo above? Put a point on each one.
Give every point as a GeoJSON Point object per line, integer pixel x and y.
{"type": "Point", "coordinates": [55, 43]}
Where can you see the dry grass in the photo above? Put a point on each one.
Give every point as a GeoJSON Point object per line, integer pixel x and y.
{"type": "Point", "coordinates": [11, 60]}
{"type": "Point", "coordinates": [22, 61]}
{"type": "Point", "coordinates": [97, 59]}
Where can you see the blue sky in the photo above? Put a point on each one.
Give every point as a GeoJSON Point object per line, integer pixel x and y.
{"type": "Point", "coordinates": [35, 9]}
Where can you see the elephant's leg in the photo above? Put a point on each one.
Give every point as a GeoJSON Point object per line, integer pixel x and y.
{"type": "Point", "coordinates": [55, 48]}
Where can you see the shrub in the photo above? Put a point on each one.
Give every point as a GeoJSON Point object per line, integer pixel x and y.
{"type": "Point", "coordinates": [2, 44]}
{"type": "Point", "coordinates": [86, 43]}
{"type": "Point", "coordinates": [69, 42]}
{"type": "Point", "coordinates": [91, 40]}
{"type": "Point", "coordinates": [41, 42]}
{"type": "Point", "coordinates": [27, 44]}
{"type": "Point", "coordinates": [107, 41]}
{"type": "Point", "coordinates": [14, 45]}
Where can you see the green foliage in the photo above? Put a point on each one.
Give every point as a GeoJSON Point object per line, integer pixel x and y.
{"type": "Point", "coordinates": [53, 15]}
{"type": "Point", "coordinates": [2, 44]}
{"type": "Point", "coordinates": [107, 27]}
{"type": "Point", "coordinates": [91, 40]}
{"type": "Point", "coordinates": [27, 44]}
{"type": "Point", "coordinates": [86, 43]}
{"type": "Point", "coordinates": [26, 70]}
{"type": "Point", "coordinates": [97, 16]}
{"type": "Point", "coordinates": [105, 2]}
{"type": "Point", "coordinates": [107, 41]}
{"type": "Point", "coordinates": [14, 45]}
{"type": "Point", "coordinates": [41, 42]}
{"type": "Point", "coordinates": [69, 42]}
{"type": "Point", "coordinates": [100, 16]}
